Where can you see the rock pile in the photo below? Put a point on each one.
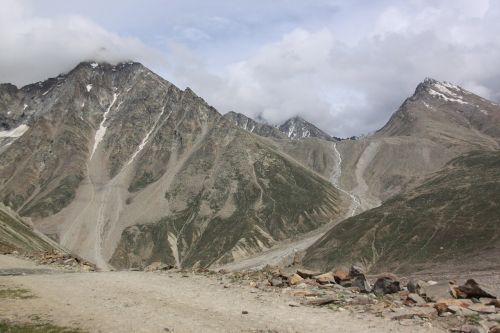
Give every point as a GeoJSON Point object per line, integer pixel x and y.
{"type": "Point", "coordinates": [61, 260]}
{"type": "Point", "coordinates": [470, 307]}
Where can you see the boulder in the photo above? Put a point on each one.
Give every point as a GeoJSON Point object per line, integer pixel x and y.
{"type": "Point", "coordinates": [307, 274]}
{"type": "Point", "coordinates": [325, 278]}
{"type": "Point", "coordinates": [432, 293]}
{"type": "Point", "coordinates": [361, 284]}
{"type": "Point", "coordinates": [358, 279]}
{"type": "Point", "coordinates": [387, 284]}
{"type": "Point", "coordinates": [473, 289]}
{"type": "Point", "coordinates": [295, 279]}
{"type": "Point", "coordinates": [340, 276]}
{"type": "Point", "coordinates": [415, 298]}
{"type": "Point", "coordinates": [356, 271]}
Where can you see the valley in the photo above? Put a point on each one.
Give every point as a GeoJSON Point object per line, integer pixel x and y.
{"type": "Point", "coordinates": [125, 189]}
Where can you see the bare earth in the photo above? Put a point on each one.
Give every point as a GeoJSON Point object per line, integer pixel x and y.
{"type": "Point", "coordinates": [155, 302]}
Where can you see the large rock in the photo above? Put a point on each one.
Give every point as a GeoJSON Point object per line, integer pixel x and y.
{"type": "Point", "coordinates": [358, 279]}
{"type": "Point", "coordinates": [432, 293]}
{"type": "Point", "coordinates": [387, 284]}
{"type": "Point", "coordinates": [473, 289]}
{"type": "Point", "coordinates": [307, 274]}
{"type": "Point", "coordinates": [325, 278]}
{"type": "Point", "coordinates": [340, 276]}
{"type": "Point", "coordinates": [415, 298]}
{"type": "Point", "coordinates": [295, 279]}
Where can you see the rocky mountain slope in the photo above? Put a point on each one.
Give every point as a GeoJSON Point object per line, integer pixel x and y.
{"type": "Point", "coordinates": [294, 128]}
{"type": "Point", "coordinates": [121, 166]}
{"type": "Point", "coordinates": [438, 123]}
{"type": "Point", "coordinates": [452, 218]}
{"type": "Point", "coordinates": [17, 234]}
{"type": "Point", "coordinates": [253, 126]}
{"type": "Point", "coordinates": [298, 128]}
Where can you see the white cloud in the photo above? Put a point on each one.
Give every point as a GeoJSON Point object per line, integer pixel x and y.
{"type": "Point", "coordinates": [346, 67]}
{"type": "Point", "coordinates": [34, 48]}
{"type": "Point", "coordinates": [352, 89]}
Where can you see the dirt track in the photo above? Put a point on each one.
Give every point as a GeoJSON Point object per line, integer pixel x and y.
{"type": "Point", "coordinates": [153, 302]}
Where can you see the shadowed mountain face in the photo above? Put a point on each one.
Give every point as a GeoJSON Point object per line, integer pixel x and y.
{"type": "Point", "coordinates": [452, 218]}
{"type": "Point", "coordinates": [121, 166]}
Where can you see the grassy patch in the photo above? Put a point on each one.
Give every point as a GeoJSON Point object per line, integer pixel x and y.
{"type": "Point", "coordinates": [15, 293]}
{"type": "Point", "coordinates": [10, 327]}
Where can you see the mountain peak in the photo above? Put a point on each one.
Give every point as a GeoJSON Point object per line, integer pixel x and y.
{"type": "Point", "coordinates": [298, 128]}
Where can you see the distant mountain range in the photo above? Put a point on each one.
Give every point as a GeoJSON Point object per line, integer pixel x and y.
{"type": "Point", "coordinates": [124, 169]}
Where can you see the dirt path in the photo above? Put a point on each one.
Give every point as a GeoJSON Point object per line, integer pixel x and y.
{"type": "Point", "coordinates": [154, 302]}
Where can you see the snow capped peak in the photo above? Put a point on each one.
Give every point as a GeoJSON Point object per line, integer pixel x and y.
{"type": "Point", "coordinates": [298, 128]}
{"type": "Point", "coordinates": [94, 65]}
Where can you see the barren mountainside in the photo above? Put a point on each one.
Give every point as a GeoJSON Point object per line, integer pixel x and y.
{"type": "Point", "coordinates": [121, 166]}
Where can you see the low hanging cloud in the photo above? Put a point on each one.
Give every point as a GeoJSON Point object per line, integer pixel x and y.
{"type": "Point", "coordinates": [34, 48]}
{"type": "Point", "coordinates": [346, 82]}
{"type": "Point", "coordinates": [350, 89]}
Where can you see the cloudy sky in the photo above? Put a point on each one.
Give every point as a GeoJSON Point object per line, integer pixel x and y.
{"type": "Point", "coordinates": [344, 65]}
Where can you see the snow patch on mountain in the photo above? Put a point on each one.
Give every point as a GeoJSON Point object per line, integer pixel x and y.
{"type": "Point", "coordinates": [99, 134]}
{"type": "Point", "coordinates": [14, 133]}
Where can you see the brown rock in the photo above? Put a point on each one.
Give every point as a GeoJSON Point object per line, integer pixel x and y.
{"type": "Point", "coordinates": [340, 276]}
{"type": "Point", "coordinates": [307, 274]}
{"type": "Point", "coordinates": [325, 278]}
{"type": "Point", "coordinates": [473, 289]}
{"type": "Point", "coordinates": [295, 279]}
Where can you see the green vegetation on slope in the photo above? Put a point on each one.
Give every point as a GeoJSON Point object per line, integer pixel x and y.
{"type": "Point", "coordinates": [454, 214]}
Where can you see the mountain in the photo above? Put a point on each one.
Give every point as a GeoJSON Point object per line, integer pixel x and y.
{"type": "Point", "coordinates": [252, 126]}
{"type": "Point", "coordinates": [298, 128]}
{"type": "Point", "coordinates": [425, 183]}
{"type": "Point", "coordinates": [439, 122]}
{"type": "Point", "coordinates": [451, 219]}
{"type": "Point", "coordinates": [294, 128]}
{"type": "Point", "coordinates": [124, 168]}
{"type": "Point", "coordinates": [19, 235]}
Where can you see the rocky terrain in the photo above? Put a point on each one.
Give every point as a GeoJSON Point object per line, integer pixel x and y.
{"type": "Point", "coordinates": [123, 168]}
{"type": "Point", "coordinates": [276, 299]}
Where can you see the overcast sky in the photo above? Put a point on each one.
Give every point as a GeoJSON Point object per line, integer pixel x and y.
{"type": "Point", "coordinates": [343, 65]}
